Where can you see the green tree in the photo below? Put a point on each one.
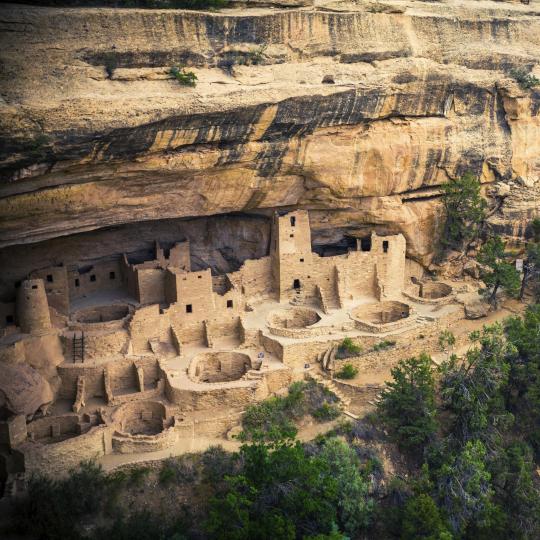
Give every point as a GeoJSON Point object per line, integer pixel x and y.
{"type": "Point", "coordinates": [354, 505]}
{"type": "Point", "coordinates": [472, 389]}
{"type": "Point", "coordinates": [407, 404]}
{"type": "Point", "coordinates": [497, 273]}
{"type": "Point", "coordinates": [518, 499]}
{"type": "Point", "coordinates": [531, 265]}
{"type": "Point", "coordinates": [465, 211]}
{"type": "Point", "coordinates": [523, 391]}
{"type": "Point", "coordinates": [422, 520]}
{"type": "Point", "coordinates": [464, 489]}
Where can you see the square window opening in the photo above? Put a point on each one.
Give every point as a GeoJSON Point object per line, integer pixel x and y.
{"type": "Point", "coordinates": [49, 278]}
{"type": "Point", "coordinates": [9, 319]}
{"type": "Point", "coordinates": [112, 275]}
{"type": "Point", "coordinates": [189, 308]}
{"type": "Point", "coordinates": [301, 260]}
{"type": "Point", "coordinates": [291, 236]}
{"type": "Point", "coordinates": [296, 284]}
{"type": "Point", "coordinates": [34, 286]}
{"type": "Point", "coordinates": [93, 277]}
{"type": "Point", "coordinates": [229, 303]}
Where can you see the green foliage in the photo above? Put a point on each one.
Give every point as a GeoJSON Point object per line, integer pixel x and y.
{"type": "Point", "coordinates": [285, 493]}
{"type": "Point", "coordinates": [407, 404]}
{"type": "Point", "coordinates": [326, 412]}
{"type": "Point", "coordinates": [497, 273]}
{"type": "Point", "coordinates": [524, 78]}
{"type": "Point", "coordinates": [185, 78]}
{"type": "Point", "coordinates": [465, 211]}
{"type": "Point", "coordinates": [383, 345]}
{"type": "Point", "coordinates": [177, 470]}
{"type": "Point", "coordinates": [422, 520]}
{"type": "Point", "coordinates": [446, 340]}
{"type": "Point", "coordinates": [216, 464]}
{"type": "Point", "coordinates": [53, 509]}
{"type": "Point", "coordinates": [348, 348]}
{"type": "Point", "coordinates": [472, 390]}
{"type": "Point", "coordinates": [348, 371]}
{"type": "Point", "coordinates": [463, 487]}
{"type": "Point", "coordinates": [273, 418]}
{"type": "Point", "coordinates": [523, 392]}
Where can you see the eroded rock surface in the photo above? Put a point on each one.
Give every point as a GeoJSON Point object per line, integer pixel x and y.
{"type": "Point", "coordinates": [97, 133]}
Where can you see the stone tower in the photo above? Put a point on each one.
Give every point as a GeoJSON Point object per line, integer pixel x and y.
{"type": "Point", "coordinates": [291, 252]}
{"type": "Point", "coordinates": [32, 307]}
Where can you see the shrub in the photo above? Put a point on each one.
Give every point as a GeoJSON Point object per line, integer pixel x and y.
{"type": "Point", "coordinates": [273, 418]}
{"type": "Point", "coordinates": [178, 470]}
{"type": "Point", "coordinates": [383, 345]}
{"type": "Point", "coordinates": [217, 463]}
{"type": "Point", "coordinates": [53, 509]}
{"type": "Point", "coordinates": [348, 348]}
{"type": "Point", "coordinates": [525, 79]}
{"type": "Point", "coordinates": [348, 371]}
{"type": "Point", "coordinates": [326, 412]}
{"type": "Point", "coordinates": [185, 78]}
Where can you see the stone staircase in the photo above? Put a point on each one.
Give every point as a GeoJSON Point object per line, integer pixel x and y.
{"type": "Point", "coordinates": [344, 401]}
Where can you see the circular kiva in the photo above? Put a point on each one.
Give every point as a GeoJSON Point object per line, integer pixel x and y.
{"type": "Point", "coordinates": [214, 367]}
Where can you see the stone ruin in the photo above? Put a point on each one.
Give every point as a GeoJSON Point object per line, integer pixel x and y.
{"type": "Point", "coordinates": [143, 355]}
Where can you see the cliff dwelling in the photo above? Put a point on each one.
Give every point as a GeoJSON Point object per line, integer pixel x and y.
{"type": "Point", "coordinates": [227, 227]}
{"type": "Point", "coordinates": [142, 348]}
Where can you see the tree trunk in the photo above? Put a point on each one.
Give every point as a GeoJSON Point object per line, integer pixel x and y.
{"type": "Point", "coordinates": [493, 297]}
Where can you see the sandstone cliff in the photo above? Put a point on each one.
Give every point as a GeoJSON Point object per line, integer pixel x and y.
{"type": "Point", "coordinates": [96, 133]}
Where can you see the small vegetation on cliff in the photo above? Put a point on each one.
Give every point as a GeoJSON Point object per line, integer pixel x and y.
{"type": "Point", "coordinates": [348, 371]}
{"type": "Point", "coordinates": [524, 78]}
{"type": "Point", "coordinates": [348, 348]}
{"type": "Point", "coordinates": [274, 418]}
{"type": "Point", "coordinates": [384, 345]}
{"type": "Point", "coordinates": [184, 77]}
{"type": "Point", "coordinates": [465, 211]}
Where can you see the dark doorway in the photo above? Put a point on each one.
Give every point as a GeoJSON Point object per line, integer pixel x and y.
{"type": "Point", "coordinates": [385, 246]}
{"type": "Point", "coordinates": [296, 284]}
{"type": "Point", "coordinates": [365, 243]}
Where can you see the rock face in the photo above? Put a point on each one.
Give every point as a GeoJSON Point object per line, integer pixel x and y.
{"type": "Point", "coordinates": [96, 133]}
{"type": "Point", "coordinates": [23, 390]}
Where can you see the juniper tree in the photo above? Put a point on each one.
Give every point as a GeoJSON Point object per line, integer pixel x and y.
{"type": "Point", "coordinates": [496, 271]}
{"type": "Point", "coordinates": [465, 211]}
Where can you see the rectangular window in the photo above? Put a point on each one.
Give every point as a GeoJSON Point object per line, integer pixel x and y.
{"type": "Point", "coordinates": [34, 286]}
{"type": "Point", "coordinates": [200, 277]}
{"type": "Point", "coordinates": [189, 308]}
{"type": "Point", "coordinates": [93, 277]}
{"type": "Point", "coordinates": [385, 246]}
{"type": "Point", "coordinates": [291, 235]}
{"type": "Point", "coordinates": [77, 283]}
{"type": "Point", "coordinates": [112, 275]}
{"type": "Point", "coordinates": [229, 303]}
{"type": "Point", "coordinates": [293, 221]}
{"type": "Point", "coordinates": [9, 319]}
{"type": "Point", "coordinates": [301, 260]}
{"type": "Point", "coordinates": [49, 278]}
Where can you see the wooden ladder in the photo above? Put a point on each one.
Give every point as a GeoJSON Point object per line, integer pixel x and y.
{"type": "Point", "coordinates": [78, 347]}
